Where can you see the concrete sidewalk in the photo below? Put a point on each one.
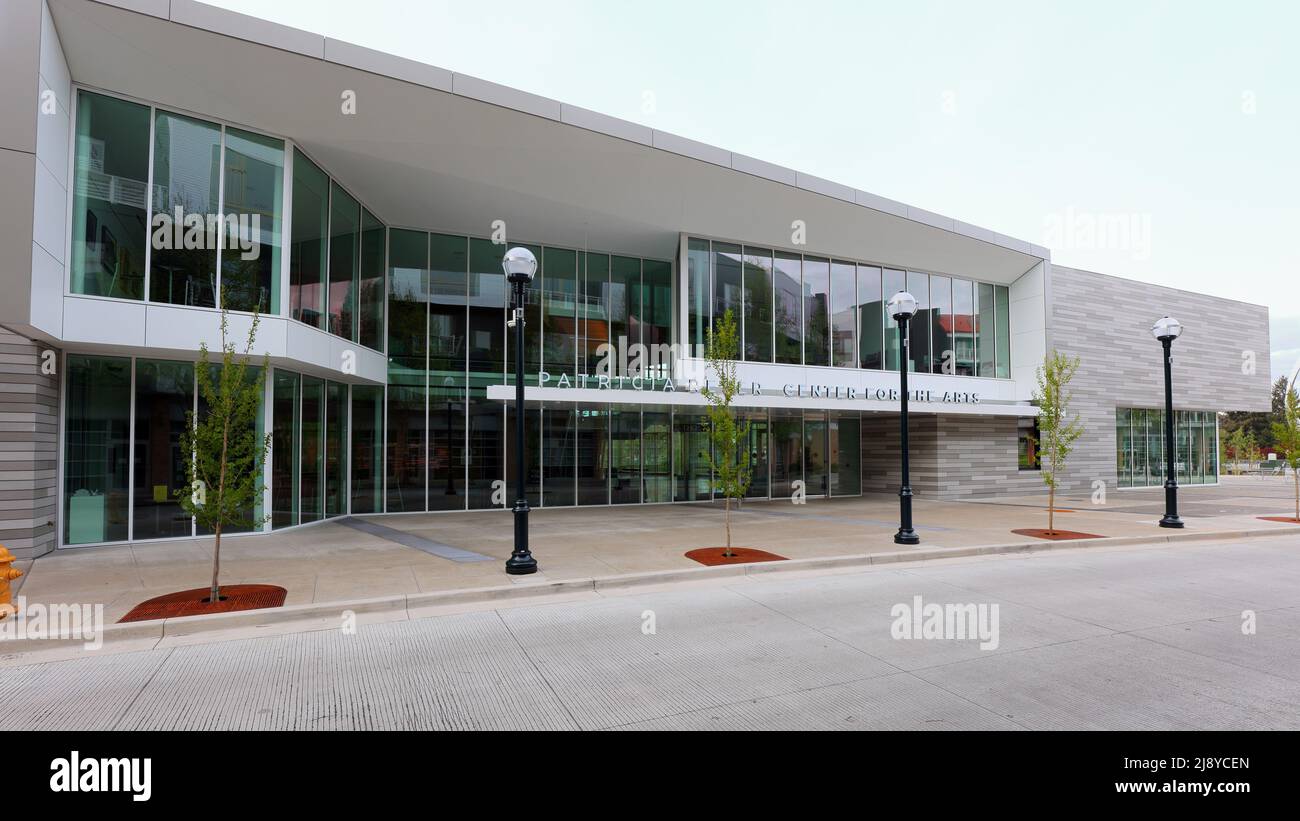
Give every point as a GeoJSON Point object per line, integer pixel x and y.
{"type": "Point", "coordinates": [333, 562]}
{"type": "Point", "coordinates": [1102, 638]}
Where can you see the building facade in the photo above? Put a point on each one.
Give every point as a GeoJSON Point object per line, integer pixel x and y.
{"type": "Point", "coordinates": [180, 159]}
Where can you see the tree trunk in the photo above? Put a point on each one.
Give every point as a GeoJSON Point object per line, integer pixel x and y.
{"type": "Point", "coordinates": [215, 593]}
{"type": "Point", "coordinates": [727, 507]}
{"type": "Point", "coordinates": [1051, 509]}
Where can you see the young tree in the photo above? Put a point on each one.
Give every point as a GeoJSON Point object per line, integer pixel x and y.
{"type": "Point", "coordinates": [1286, 437]}
{"type": "Point", "coordinates": [223, 453]}
{"type": "Point", "coordinates": [729, 436]}
{"type": "Point", "coordinates": [1057, 429]}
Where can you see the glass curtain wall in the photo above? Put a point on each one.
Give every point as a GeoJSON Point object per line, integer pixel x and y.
{"type": "Point", "coordinates": [758, 305]}
{"type": "Point", "coordinates": [253, 206]}
{"type": "Point", "coordinates": [309, 242]}
{"type": "Point", "coordinates": [164, 395]}
{"type": "Point", "coordinates": [186, 181]}
{"type": "Point", "coordinates": [832, 312]}
{"type": "Point", "coordinates": [366, 449]}
{"type": "Point", "coordinates": [110, 208]}
{"type": "Point", "coordinates": [1139, 446]}
{"type": "Point", "coordinates": [286, 432]}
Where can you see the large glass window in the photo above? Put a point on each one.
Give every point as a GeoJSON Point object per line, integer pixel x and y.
{"type": "Point", "coordinates": [487, 304]}
{"type": "Point", "coordinates": [253, 204]}
{"type": "Point", "coordinates": [366, 451]}
{"type": "Point", "coordinates": [559, 310]}
{"type": "Point", "coordinates": [344, 261]}
{"type": "Point", "coordinates": [787, 451]}
{"type": "Point", "coordinates": [871, 319]}
{"type": "Point", "coordinates": [844, 307]}
{"type": "Point", "coordinates": [559, 450]}
{"type": "Point", "coordinates": [370, 285]}
{"type": "Point", "coordinates": [1139, 447]}
{"type": "Point", "coordinates": [486, 452]}
{"type": "Point", "coordinates": [758, 458]}
{"type": "Point", "coordinates": [624, 308]}
{"type": "Point", "coordinates": [446, 443]}
{"type": "Point", "coordinates": [285, 435]}
{"type": "Point", "coordinates": [110, 178]}
{"type": "Point", "coordinates": [788, 311]}
{"type": "Point", "coordinates": [309, 241]}
{"type": "Point", "coordinates": [691, 455]}
{"type": "Point", "coordinates": [943, 355]}
{"type": "Point", "coordinates": [593, 455]}
{"type": "Point", "coordinates": [817, 311]}
{"type": "Point", "coordinates": [727, 285]}
{"type": "Point", "coordinates": [815, 460]}
{"type": "Point", "coordinates": [164, 394]}
{"type": "Point", "coordinates": [1001, 296]}
{"type": "Point", "coordinates": [594, 322]}
{"type": "Point", "coordinates": [336, 450]}
{"type": "Point", "coordinates": [894, 281]}
{"type": "Point", "coordinates": [697, 294]}
{"type": "Point", "coordinates": [97, 449]}
{"type": "Point", "coordinates": [846, 454]}
{"type": "Point", "coordinates": [625, 454]}
{"type": "Point", "coordinates": [311, 473]}
{"type": "Point", "coordinates": [657, 469]}
{"type": "Point", "coordinates": [186, 189]}
{"type": "Point", "coordinates": [758, 305]}
{"type": "Point", "coordinates": [657, 314]}
{"type": "Point", "coordinates": [918, 330]}
{"type": "Point", "coordinates": [963, 326]}
{"type": "Point", "coordinates": [986, 331]}
{"type": "Point", "coordinates": [408, 335]}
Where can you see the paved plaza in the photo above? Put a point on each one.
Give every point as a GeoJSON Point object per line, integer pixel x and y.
{"type": "Point", "coordinates": [1147, 637]}
{"type": "Point", "coordinates": [339, 562]}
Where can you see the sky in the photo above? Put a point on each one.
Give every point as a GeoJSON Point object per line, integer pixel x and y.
{"type": "Point", "coordinates": [1152, 140]}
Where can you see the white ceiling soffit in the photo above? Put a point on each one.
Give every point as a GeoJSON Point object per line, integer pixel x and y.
{"type": "Point", "coordinates": [421, 155]}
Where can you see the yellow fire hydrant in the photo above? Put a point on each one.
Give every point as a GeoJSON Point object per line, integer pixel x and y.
{"type": "Point", "coordinates": [7, 574]}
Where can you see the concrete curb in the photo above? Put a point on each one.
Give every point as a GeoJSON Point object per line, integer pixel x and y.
{"type": "Point", "coordinates": [329, 615]}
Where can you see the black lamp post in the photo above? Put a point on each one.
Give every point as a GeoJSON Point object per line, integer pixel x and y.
{"type": "Point", "coordinates": [520, 265]}
{"type": "Point", "coordinates": [901, 307]}
{"type": "Point", "coordinates": [1167, 329]}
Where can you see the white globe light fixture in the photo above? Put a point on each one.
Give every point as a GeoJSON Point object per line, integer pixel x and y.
{"type": "Point", "coordinates": [901, 306]}
{"type": "Point", "coordinates": [520, 265]}
{"type": "Point", "coordinates": [1166, 327]}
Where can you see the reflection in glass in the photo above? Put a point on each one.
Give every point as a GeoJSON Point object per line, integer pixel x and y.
{"type": "Point", "coordinates": [186, 175]}
{"type": "Point", "coordinates": [253, 199]}
{"type": "Point", "coordinates": [559, 450]}
{"type": "Point", "coordinates": [941, 326]}
{"type": "Point", "coordinates": [846, 454]}
{"type": "Point", "coordinates": [788, 316]}
{"type": "Point", "coordinates": [986, 331]}
{"type": "Point", "coordinates": [594, 325]}
{"type": "Point", "coordinates": [758, 305]}
{"type": "Point", "coordinates": [894, 281]}
{"type": "Point", "coordinates": [308, 246]}
{"type": "Point", "coordinates": [844, 351]}
{"type": "Point", "coordinates": [871, 319]}
{"type": "Point", "coordinates": [370, 282]}
{"type": "Point", "coordinates": [625, 454]}
{"type": "Point", "coordinates": [817, 316]}
{"type": "Point", "coordinates": [918, 331]}
{"type": "Point", "coordinates": [285, 435]}
{"type": "Point", "coordinates": [787, 451]}
{"type": "Point", "coordinates": [366, 450]}
{"type": "Point", "coordinates": [726, 282]}
{"type": "Point", "coordinates": [697, 294]}
{"type": "Point", "coordinates": [815, 453]}
{"type": "Point", "coordinates": [336, 452]}
{"type": "Point", "coordinates": [110, 178]}
{"type": "Point", "coordinates": [312, 470]}
{"type": "Point", "coordinates": [344, 262]}
{"type": "Point", "coordinates": [164, 394]}
{"type": "Point", "coordinates": [656, 426]}
{"type": "Point", "coordinates": [96, 458]}
{"type": "Point", "coordinates": [1001, 295]}
{"type": "Point", "coordinates": [963, 326]}
{"type": "Point", "coordinates": [593, 454]}
{"type": "Point", "coordinates": [691, 467]}
{"type": "Point", "coordinates": [559, 310]}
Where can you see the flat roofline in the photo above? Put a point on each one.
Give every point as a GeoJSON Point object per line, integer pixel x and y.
{"type": "Point", "coordinates": [286, 38]}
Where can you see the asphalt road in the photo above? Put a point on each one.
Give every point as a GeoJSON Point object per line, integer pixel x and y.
{"type": "Point", "coordinates": [1113, 638]}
